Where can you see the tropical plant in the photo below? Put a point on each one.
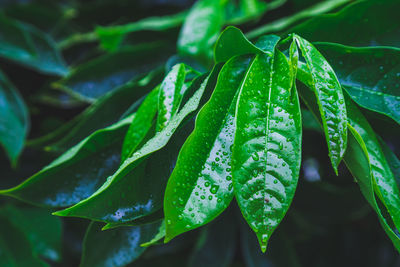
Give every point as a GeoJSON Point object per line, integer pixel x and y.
{"type": "Point", "coordinates": [167, 142]}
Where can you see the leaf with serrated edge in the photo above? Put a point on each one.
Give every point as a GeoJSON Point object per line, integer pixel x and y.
{"type": "Point", "coordinates": [267, 148]}
{"type": "Point", "coordinates": [330, 100]}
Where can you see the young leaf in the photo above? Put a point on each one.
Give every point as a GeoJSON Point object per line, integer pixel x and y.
{"type": "Point", "coordinates": [370, 75]}
{"type": "Point", "coordinates": [201, 29]}
{"type": "Point", "coordinates": [267, 148]}
{"type": "Point", "coordinates": [122, 197]}
{"type": "Point", "coordinates": [200, 186]}
{"type": "Point", "coordinates": [14, 120]}
{"type": "Point", "coordinates": [30, 47]}
{"type": "Point", "coordinates": [91, 80]}
{"type": "Point", "coordinates": [115, 247]}
{"type": "Point", "coordinates": [330, 100]}
{"type": "Point", "coordinates": [77, 173]}
{"type": "Point", "coordinates": [170, 95]}
{"type": "Point", "coordinates": [386, 189]}
{"type": "Point", "coordinates": [141, 124]}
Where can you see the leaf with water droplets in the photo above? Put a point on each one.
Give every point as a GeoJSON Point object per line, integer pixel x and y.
{"type": "Point", "coordinates": [371, 75]}
{"type": "Point", "coordinates": [115, 247]}
{"type": "Point", "coordinates": [200, 186]}
{"type": "Point", "coordinates": [14, 120]}
{"type": "Point", "coordinates": [267, 148]}
{"type": "Point", "coordinates": [128, 194]}
{"type": "Point", "coordinates": [330, 100]}
{"type": "Point", "coordinates": [141, 124]}
{"type": "Point", "coordinates": [77, 173]}
{"type": "Point", "coordinates": [170, 95]}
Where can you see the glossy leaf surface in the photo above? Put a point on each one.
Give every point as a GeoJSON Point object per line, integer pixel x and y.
{"type": "Point", "coordinates": [330, 100]}
{"type": "Point", "coordinates": [170, 95]}
{"type": "Point", "coordinates": [267, 147]}
{"type": "Point", "coordinates": [200, 187]}
{"type": "Point", "coordinates": [141, 124]}
{"type": "Point", "coordinates": [77, 173]}
{"type": "Point", "coordinates": [26, 45]}
{"type": "Point", "coordinates": [93, 79]}
{"type": "Point", "coordinates": [115, 247]}
{"type": "Point", "coordinates": [110, 203]}
{"type": "Point", "coordinates": [14, 120]}
{"type": "Point", "coordinates": [201, 29]}
{"type": "Point", "coordinates": [370, 75]}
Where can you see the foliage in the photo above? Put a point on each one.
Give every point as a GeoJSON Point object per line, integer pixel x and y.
{"type": "Point", "coordinates": [178, 128]}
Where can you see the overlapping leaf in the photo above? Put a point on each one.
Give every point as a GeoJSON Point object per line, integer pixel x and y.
{"type": "Point", "coordinates": [125, 195]}
{"type": "Point", "coordinates": [267, 147]}
{"type": "Point", "coordinates": [330, 100]}
{"type": "Point", "coordinates": [200, 187]}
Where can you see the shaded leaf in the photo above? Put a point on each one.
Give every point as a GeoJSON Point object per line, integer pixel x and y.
{"type": "Point", "coordinates": [28, 46]}
{"type": "Point", "coordinates": [14, 120]}
{"type": "Point", "coordinates": [115, 247]}
{"type": "Point", "coordinates": [267, 148]}
{"type": "Point", "coordinates": [77, 173]}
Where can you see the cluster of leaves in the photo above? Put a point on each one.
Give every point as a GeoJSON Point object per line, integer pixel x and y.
{"type": "Point", "coordinates": [160, 149]}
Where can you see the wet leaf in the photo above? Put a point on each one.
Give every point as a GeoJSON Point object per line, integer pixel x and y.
{"type": "Point", "coordinates": [200, 187]}
{"type": "Point", "coordinates": [330, 100]}
{"type": "Point", "coordinates": [14, 120]}
{"type": "Point", "coordinates": [267, 147]}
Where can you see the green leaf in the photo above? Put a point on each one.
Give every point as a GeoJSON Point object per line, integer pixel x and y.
{"type": "Point", "coordinates": [363, 23]}
{"type": "Point", "coordinates": [170, 95]}
{"type": "Point", "coordinates": [123, 197]}
{"type": "Point", "coordinates": [107, 110]}
{"type": "Point", "coordinates": [200, 186]}
{"type": "Point", "coordinates": [112, 36]}
{"type": "Point", "coordinates": [386, 187]}
{"type": "Point", "coordinates": [15, 249]}
{"type": "Point", "coordinates": [14, 120]}
{"type": "Point", "coordinates": [232, 42]}
{"type": "Point", "coordinates": [370, 75]}
{"type": "Point", "coordinates": [201, 29]}
{"type": "Point", "coordinates": [92, 79]}
{"type": "Point", "coordinates": [358, 162]}
{"type": "Point", "coordinates": [330, 100]}
{"type": "Point", "coordinates": [28, 46]}
{"type": "Point", "coordinates": [42, 230]}
{"type": "Point", "coordinates": [267, 148]}
{"type": "Point", "coordinates": [215, 246]}
{"type": "Point", "coordinates": [141, 124]}
{"type": "Point", "coordinates": [115, 247]}
{"type": "Point", "coordinates": [393, 161]}
{"type": "Point", "coordinates": [77, 173]}
{"type": "Point", "coordinates": [160, 234]}
{"type": "Point", "coordinates": [247, 10]}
